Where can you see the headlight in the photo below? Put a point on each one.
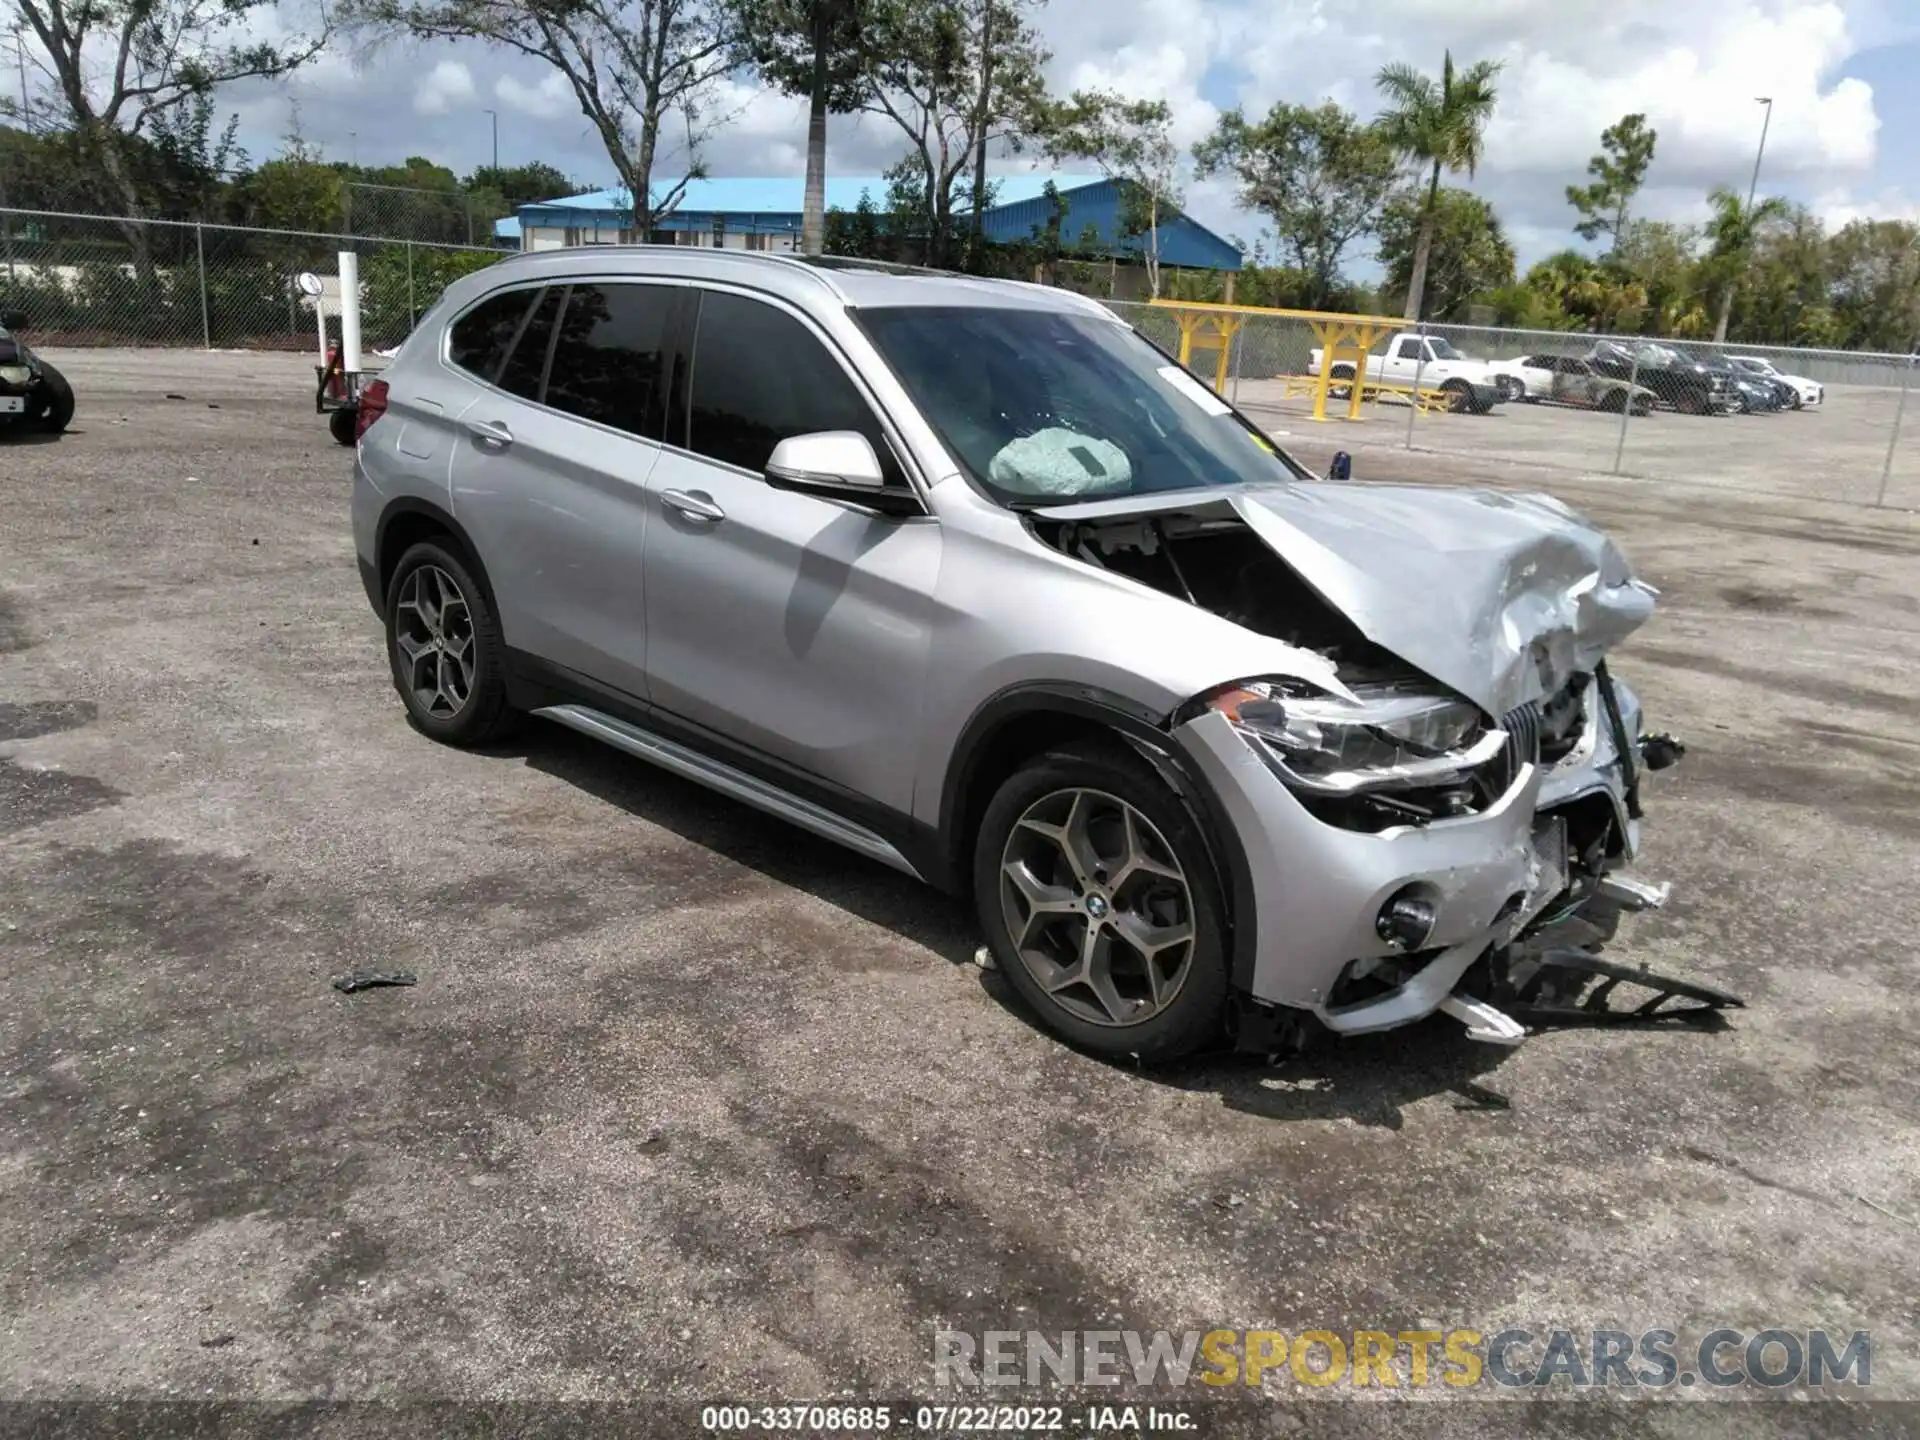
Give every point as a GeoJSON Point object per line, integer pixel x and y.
{"type": "Point", "coordinates": [15, 374]}
{"type": "Point", "coordinates": [1392, 739]}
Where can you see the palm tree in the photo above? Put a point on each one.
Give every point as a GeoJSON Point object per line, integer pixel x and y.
{"type": "Point", "coordinates": [1732, 230]}
{"type": "Point", "coordinates": [1437, 124]}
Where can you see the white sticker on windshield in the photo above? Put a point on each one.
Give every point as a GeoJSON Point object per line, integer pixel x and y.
{"type": "Point", "coordinates": [1193, 390]}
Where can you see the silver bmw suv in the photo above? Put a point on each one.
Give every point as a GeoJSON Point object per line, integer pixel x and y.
{"type": "Point", "coordinates": [970, 578]}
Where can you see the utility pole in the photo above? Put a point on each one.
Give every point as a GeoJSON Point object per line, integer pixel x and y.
{"type": "Point", "coordinates": [1754, 185]}
{"type": "Point", "coordinates": [496, 139]}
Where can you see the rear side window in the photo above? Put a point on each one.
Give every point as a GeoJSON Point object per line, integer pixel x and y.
{"type": "Point", "coordinates": [527, 365]}
{"type": "Point", "coordinates": [609, 359]}
{"type": "Point", "coordinates": [480, 339]}
{"type": "Point", "coordinates": [760, 376]}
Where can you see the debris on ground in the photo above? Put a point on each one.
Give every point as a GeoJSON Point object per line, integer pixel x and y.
{"type": "Point", "coordinates": [357, 980]}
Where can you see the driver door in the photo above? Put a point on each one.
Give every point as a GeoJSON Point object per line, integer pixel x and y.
{"type": "Point", "coordinates": [791, 624]}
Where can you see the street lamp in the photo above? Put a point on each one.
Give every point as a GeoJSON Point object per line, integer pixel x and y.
{"type": "Point", "coordinates": [1766, 100]}
{"type": "Point", "coordinates": [496, 137]}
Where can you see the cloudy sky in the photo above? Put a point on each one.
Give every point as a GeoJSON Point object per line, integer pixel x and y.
{"type": "Point", "coordinates": [1844, 76]}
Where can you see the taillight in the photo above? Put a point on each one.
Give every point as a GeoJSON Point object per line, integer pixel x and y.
{"type": "Point", "coordinates": [373, 404]}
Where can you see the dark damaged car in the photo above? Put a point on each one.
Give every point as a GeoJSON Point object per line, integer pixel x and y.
{"type": "Point", "coordinates": [969, 578]}
{"type": "Point", "coordinates": [33, 394]}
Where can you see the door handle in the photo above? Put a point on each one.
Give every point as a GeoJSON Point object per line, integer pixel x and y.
{"type": "Point", "coordinates": [693, 506]}
{"type": "Point", "coordinates": [490, 432]}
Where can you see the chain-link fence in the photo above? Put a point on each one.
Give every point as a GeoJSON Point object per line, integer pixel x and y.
{"type": "Point", "coordinates": [1831, 425]}
{"type": "Point", "coordinates": [438, 217]}
{"type": "Point", "coordinates": [89, 280]}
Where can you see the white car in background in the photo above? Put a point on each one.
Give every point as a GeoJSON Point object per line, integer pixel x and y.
{"type": "Point", "coordinates": [1526, 377]}
{"type": "Point", "coordinates": [1811, 392]}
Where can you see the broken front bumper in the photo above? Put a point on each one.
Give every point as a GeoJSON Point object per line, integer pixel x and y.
{"type": "Point", "coordinates": [1319, 891]}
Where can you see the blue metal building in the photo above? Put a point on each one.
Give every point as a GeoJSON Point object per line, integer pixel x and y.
{"type": "Point", "coordinates": [764, 214]}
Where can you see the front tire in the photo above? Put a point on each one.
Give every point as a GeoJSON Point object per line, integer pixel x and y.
{"type": "Point", "coordinates": [1097, 895]}
{"type": "Point", "coordinates": [444, 648]}
{"type": "Point", "coordinates": [1511, 390]}
{"type": "Point", "coordinates": [59, 412]}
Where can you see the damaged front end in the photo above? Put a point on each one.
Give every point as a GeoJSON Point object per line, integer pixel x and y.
{"type": "Point", "coordinates": [1444, 824]}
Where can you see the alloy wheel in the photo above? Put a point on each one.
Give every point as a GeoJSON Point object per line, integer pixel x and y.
{"type": "Point", "coordinates": [1098, 908]}
{"type": "Point", "coordinates": [433, 641]}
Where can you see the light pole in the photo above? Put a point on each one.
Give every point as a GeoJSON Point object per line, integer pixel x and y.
{"type": "Point", "coordinates": [496, 139]}
{"type": "Point", "coordinates": [1766, 100]}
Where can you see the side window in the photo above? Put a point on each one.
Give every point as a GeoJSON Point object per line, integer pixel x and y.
{"type": "Point", "coordinates": [1410, 350]}
{"type": "Point", "coordinates": [609, 358]}
{"type": "Point", "coordinates": [760, 376]}
{"type": "Point", "coordinates": [479, 339]}
{"type": "Point", "coordinates": [527, 365]}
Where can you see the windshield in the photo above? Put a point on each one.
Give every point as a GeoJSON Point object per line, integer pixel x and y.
{"type": "Point", "coordinates": [1758, 367]}
{"type": "Point", "coordinates": [1045, 407]}
{"type": "Point", "coordinates": [1444, 351]}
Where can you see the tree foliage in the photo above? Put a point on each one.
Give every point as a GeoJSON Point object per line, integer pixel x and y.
{"type": "Point", "coordinates": [951, 75]}
{"type": "Point", "coordinates": [642, 72]}
{"type": "Point", "coordinates": [1438, 125]}
{"type": "Point", "coordinates": [813, 49]}
{"type": "Point", "coordinates": [1618, 171]}
{"type": "Point", "coordinates": [1131, 142]}
{"type": "Point", "coordinates": [1468, 252]}
{"type": "Point", "coordinates": [1317, 174]}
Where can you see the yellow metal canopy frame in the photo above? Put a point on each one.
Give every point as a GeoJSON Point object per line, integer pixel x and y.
{"type": "Point", "coordinates": [1342, 337]}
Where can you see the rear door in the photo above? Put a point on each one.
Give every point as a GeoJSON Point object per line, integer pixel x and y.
{"type": "Point", "coordinates": [550, 478]}
{"type": "Point", "coordinates": [790, 624]}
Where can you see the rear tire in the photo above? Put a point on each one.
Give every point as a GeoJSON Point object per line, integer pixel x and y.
{"type": "Point", "coordinates": [59, 412]}
{"type": "Point", "coordinates": [445, 649]}
{"type": "Point", "coordinates": [1103, 873]}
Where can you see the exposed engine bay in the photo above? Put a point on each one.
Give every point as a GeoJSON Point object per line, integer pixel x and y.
{"type": "Point", "coordinates": [1578, 733]}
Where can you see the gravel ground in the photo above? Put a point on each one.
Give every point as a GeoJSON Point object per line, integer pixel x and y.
{"type": "Point", "coordinates": [687, 1105]}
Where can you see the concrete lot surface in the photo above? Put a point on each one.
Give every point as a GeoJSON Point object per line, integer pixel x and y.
{"type": "Point", "coordinates": [1838, 451]}
{"type": "Point", "coordinates": [687, 1104]}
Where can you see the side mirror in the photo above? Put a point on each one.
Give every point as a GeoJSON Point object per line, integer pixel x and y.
{"type": "Point", "coordinates": [13, 320]}
{"type": "Point", "coordinates": [837, 465]}
{"type": "Point", "coordinates": [1342, 466]}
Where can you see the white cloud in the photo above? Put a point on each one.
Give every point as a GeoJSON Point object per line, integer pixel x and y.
{"type": "Point", "coordinates": [447, 85]}
{"type": "Point", "coordinates": [547, 99]}
{"type": "Point", "coordinates": [1572, 68]}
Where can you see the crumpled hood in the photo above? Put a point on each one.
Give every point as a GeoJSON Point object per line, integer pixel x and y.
{"type": "Point", "coordinates": [1502, 597]}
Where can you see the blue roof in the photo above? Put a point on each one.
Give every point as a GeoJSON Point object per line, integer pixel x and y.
{"type": "Point", "coordinates": [786, 195]}
{"type": "Point", "coordinates": [770, 204]}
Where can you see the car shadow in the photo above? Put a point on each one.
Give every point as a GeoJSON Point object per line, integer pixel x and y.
{"type": "Point", "coordinates": [780, 851]}
{"type": "Point", "coordinates": [9, 435]}
{"type": "Point", "coordinates": [1369, 1079]}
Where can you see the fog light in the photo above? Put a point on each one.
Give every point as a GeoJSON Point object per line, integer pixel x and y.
{"type": "Point", "coordinates": [1405, 922]}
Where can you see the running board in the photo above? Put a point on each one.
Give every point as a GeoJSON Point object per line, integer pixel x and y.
{"type": "Point", "coordinates": [736, 784]}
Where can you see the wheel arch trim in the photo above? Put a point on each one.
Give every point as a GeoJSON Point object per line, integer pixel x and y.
{"type": "Point", "coordinates": [1145, 732]}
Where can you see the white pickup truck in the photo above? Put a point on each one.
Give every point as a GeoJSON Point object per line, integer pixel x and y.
{"type": "Point", "coordinates": [1436, 365]}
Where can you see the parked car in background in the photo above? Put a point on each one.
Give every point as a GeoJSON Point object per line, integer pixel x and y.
{"type": "Point", "coordinates": [1805, 392]}
{"type": "Point", "coordinates": [1677, 379]}
{"type": "Point", "coordinates": [1569, 380]}
{"type": "Point", "coordinates": [1754, 393]}
{"type": "Point", "coordinates": [968, 577]}
{"type": "Point", "coordinates": [33, 395]}
{"type": "Point", "coordinates": [1432, 363]}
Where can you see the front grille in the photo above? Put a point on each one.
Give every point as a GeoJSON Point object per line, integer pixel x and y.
{"type": "Point", "coordinates": [1522, 725]}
